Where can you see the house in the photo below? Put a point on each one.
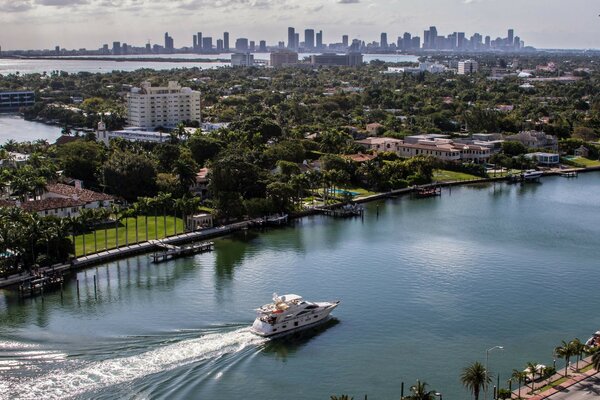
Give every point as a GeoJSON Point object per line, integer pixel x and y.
{"type": "Point", "coordinates": [544, 158]}
{"type": "Point", "coordinates": [360, 157]}
{"type": "Point", "coordinates": [14, 160]}
{"type": "Point", "coordinates": [375, 128]}
{"type": "Point", "coordinates": [381, 144]}
{"type": "Point", "coordinates": [582, 151]}
{"type": "Point", "coordinates": [534, 139]}
{"type": "Point", "coordinates": [200, 186]}
{"type": "Point", "coordinates": [90, 198]}
{"type": "Point", "coordinates": [56, 206]}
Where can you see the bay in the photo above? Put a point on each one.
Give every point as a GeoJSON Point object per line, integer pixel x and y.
{"type": "Point", "coordinates": [14, 127]}
{"type": "Point", "coordinates": [427, 285]}
{"type": "Point", "coordinates": [113, 63]}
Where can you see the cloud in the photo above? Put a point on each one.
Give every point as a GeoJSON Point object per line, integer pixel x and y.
{"type": "Point", "coordinates": [15, 6]}
{"type": "Point", "coordinates": [61, 3]}
{"type": "Point", "coordinates": [348, 1]}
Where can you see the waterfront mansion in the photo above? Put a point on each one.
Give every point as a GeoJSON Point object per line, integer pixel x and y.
{"type": "Point", "coordinates": [437, 146]}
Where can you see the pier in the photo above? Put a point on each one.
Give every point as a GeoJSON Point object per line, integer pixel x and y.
{"type": "Point", "coordinates": [348, 210]}
{"type": "Point", "coordinates": [170, 251]}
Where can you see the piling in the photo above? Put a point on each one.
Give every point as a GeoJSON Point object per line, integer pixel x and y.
{"type": "Point", "coordinates": [95, 292]}
{"type": "Point", "coordinates": [77, 288]}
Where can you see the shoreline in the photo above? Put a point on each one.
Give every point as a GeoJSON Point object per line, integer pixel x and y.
{"type": "Point", "coordinates": [124, 59]}
{"type": "Point", "coordinates": [146, 247]}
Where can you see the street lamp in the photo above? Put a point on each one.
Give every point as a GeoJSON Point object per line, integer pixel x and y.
{"type": "Point", "coordinates": [438, 394]}
{"type": "Point", "coordinates": [487, 359]}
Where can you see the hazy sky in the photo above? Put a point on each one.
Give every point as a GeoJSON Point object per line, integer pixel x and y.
{"type": "Point", "coordinates": [90, 23]}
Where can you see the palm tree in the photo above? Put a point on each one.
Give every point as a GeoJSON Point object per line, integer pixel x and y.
{"type": "Point", "coordinates": [419, 392]}
{"type": "Point", "coordinates": [519, 377]}
{"type": "Point", "coordinates": [596, 359]}
{"type": "Point", "coordinates": [565, 350]}
{"type": "Point", "coordinates": [474, 378]}
{"type": "Point", "coordinates": [342, 397]}
{"type": "Point", "coordinates": [578, 349]}
{"type": "Point", "coordinates": [532, 368]}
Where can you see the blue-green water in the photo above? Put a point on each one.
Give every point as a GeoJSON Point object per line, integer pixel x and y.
{"type": "Point", "coordinates": [426, 287]}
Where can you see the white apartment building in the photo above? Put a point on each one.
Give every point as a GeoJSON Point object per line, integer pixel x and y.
{"type": "Point", "coordinates": [467, 67]}
{"type": "Point", "coordinates": [150, 107]}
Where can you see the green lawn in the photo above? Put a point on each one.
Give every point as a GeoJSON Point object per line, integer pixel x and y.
{"type": "Point", "coordinates": [155, 230]}
{"type": "Point", "coordinates": [586, 162]}
{"type": "Point", "coordinates": [442, 175]}
{"type": "Point", "coordinates": [551, 385]}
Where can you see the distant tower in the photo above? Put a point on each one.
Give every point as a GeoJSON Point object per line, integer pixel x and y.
{"type": "Point", "coordinates": [345, 40]}
{"type": "Point", "coordinates": [296, 41]}
{"type": "Point", "coordinates": [226, 41]}
{"type": "Point", "coordinates": [309, 39]}
{"type": "Point", "coordinates": [319, 39]}
{"type": "Point", "coordinates": [291, 38]}
{"type": "Point", "coordinates": [511, 37]}
{"type": "Point", "coordinates": [199, 39]}
{"type": "Point", "coordinates": [195, 42]}
{"type": "Point", "coordinates": [383, 42]}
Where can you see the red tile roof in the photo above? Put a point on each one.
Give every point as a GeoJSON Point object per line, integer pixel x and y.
{"type": "Point", "coordinates": [85, 195]}
{"type": "Point", "coordinates": [51, 203]}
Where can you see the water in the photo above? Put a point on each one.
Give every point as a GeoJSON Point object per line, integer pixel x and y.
{"type": "Point", "coordinates": [426, 287]}
{"type": "Point", "coordinates": [16, 128]}
{"type": "Point", "coordinates": [12, 66]}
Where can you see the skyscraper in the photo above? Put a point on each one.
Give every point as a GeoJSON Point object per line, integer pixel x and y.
{"type": "Point", "coordinates": [297, 40]}
{"type": "Point", "coordinates": [199, 39]}
{"type": "Point", "coordinates": [241, 44]}
{"type": "Point", "coordinates": [291, 38]}
{"type": "Point", "coordinates": [116, 48]}
{"type": "Point", "coordinates": [226, 41]}
{"type": "Point", "coordinates": [460, 40]}
{"type": "Point", "coordinates": [219, 45]}
{"type": "Point", "coordinates": [309, 39]}
{"type": "Point", "coordinates": [488, 41]}
{"type": "Point", "coordinates": [252, 46]}
{"type": "Point", "coordinates": [262, 46]}
{"type": "Point", "coordinates": [345, 40]}
{"type": "Point", "coordinates": [319, 39]}
{"type": "Point", "coordinates": [407, 41]}
{"type": "Point", "coordinates": [383, 43]}
{"type": "Point", "coordinates": [207, 43]}
{"type": "Point", "coordinates": [169, 45]}
{"type": "Point", "coordinates": [433, 33]}
{"type": "Point", "coordinates": [195, 42]}
{"type": "Point", "coordinates": [511, 37]}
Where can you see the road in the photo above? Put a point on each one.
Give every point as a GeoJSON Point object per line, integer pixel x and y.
{"type": "Point", "coordinates": [586, 390]}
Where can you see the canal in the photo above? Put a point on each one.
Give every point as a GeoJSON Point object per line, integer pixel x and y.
{"type": "Point", "coordinates": [427, 285]}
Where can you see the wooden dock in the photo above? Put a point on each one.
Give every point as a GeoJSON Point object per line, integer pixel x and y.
{"type": "Point", "coordinates": [38, 284]}
{"type": "Point", "coordinates": [170, 251]}
{"type": "Point", "coordinates": [429, 191]}
{"type": "Point", "coordinates": [346, 211]}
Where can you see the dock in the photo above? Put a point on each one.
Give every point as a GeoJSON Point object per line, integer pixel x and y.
{"type": "Point", "coordinates": [569, 174]}
{"type": "Point", "coordinates": [170, 251]}
{"type": "Point", "coordinates": [37, 284]}
{"type": "Point", "coordinates": [429, 191]}
{"type": "Point", "coordinates": [346, 211]}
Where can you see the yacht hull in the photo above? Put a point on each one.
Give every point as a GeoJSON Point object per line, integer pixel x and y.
{"type": "Point", "coordinates": [291, 325]}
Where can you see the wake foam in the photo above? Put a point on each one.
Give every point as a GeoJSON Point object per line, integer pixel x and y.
{"type": "Point", "coordinates": [65, 383]}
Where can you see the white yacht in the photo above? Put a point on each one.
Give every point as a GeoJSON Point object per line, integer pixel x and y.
{"type": "Point", "coordinates": [532, 174]}
{"type": "Point", "coordinates": [290, 313]}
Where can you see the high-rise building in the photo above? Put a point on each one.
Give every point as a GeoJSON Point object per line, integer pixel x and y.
{"type": "Point", "coordinates": [148, 48]}
{"type": "Point", "coordinates": [348, 60]}
{"type": "Point", "coordinates": [150, 107]}
{"type": "Point", "coordinates": [426, 40]}
{"type": "Point", "coordinates": [467, 67]}
{"type": "Point", "coordinates": [291, 38]}
{"type": "Point", "coordinates": [383, 43]}
{"type": "Point", "coordinates": [241, 44]}
{"type": "Point", "coordinates": [242, 60]}
{"type": "Point", "coordinates": [226, 41]}
{"type": "Point", "coordinates": [283, 58]}
{"type": "Point", "coordinates": [433, 34]}
{"type": "Point", "coordinates": [416, 42]}
{"type": "Point", "coordinates": [297, 40]}
{"type": "Point", "coordinates": [124, 48]}
{"type": "Point", "coordinates": [199, 39]}
{"type": "Point", "coordinates": [345, 40]}
{"type": "Point", "coordinates": [262, 46]}
{"type": "Point", "coordinates": [319, 39]}
{"type": "Point", "coordinates": [460, 40]}
{"type": "Point", "coordinates": [488, 41]}
{"type": "Point", "coordinates": [169, 45]}
{"type": "Point", "coordinates": [219, 45]}
{"type": "Point", "coordinates": [517, 43]}
{"type": "Point", "coordinates": [511, 37]}
{"type": "Point", "coordinates": [252, 46]}
{"type": "Point", "coordinates": [195, 42]}
{"type": "Point", "coordinates": [207, 44]}
{"type": "Point", "coordinates": [309, 39]}
{"type": "Point", "coordinates": [407, 41]}
{"type": "Point", "coordinates": [116, 48]}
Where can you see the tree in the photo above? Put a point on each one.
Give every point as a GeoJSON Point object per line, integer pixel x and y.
{"type": "Point", "coordinates": [533, 369]}
{"type": "Point", "coordinates": [519, 377]}
{"type": "Point", "coordinates": [513, 148]}
{"type": "Point", "coordinates": [81, 159]}
{"type": "Point", "coordinates": [596, 360]}
{"type": "Point", "coordinates": [578, 349]}
{"type": "Point", "coordinates": [186, 170]}
{"type": "Point", "coordinates": [130, 175]}
{"type": "Point", "coordinates": [475, 377]}
{"type": "Point", "coordinates": [203, 148]}
{"type": "Point", "coordinates": [565, 350]}
{"type": "Point", "coordinates": [419, 392]}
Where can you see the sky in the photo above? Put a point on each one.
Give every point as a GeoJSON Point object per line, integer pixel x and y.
{"type": "Point", "coordinates": [39, 24]}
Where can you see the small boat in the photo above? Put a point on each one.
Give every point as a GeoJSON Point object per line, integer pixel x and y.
{"type": "Point", "coordinates": [276, 220]}
{"type": "Point", "coordinates": [290, 313]}
{"type": "Point", "coordinates": [532, 175]}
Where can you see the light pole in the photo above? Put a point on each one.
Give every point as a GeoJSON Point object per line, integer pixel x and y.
{"type": "Point", "coordinates": [487, 374]}
{"type": "Point", "coordinates": [438, 394]}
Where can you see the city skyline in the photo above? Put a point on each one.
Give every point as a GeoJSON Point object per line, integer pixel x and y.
{"type": "Point", "coordinates": [89, 23]}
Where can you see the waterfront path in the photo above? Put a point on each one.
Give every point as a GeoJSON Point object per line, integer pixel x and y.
{"type": "Point", "coordinates": [578, 386]}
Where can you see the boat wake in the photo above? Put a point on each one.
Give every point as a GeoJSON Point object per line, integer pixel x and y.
{"type": "Point", "coordinates": [81, 379]}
